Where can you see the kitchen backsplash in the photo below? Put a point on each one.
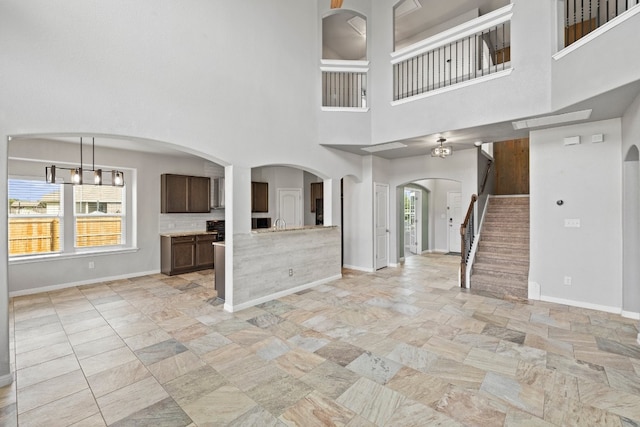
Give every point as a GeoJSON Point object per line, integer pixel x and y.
{"type": "Point", "coordinates": [171, 223]}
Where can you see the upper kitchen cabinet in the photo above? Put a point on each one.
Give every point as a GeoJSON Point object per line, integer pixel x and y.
{"type": "Point", "coordinates": [259, 197]}
{"type": "Point", "coordinates": [185, 194]}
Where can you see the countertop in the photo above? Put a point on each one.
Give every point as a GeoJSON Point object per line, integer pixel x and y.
{"type": "Point", "coordinates": [187, 233]}
{"type": "Point", "coordinates": [305, 227]}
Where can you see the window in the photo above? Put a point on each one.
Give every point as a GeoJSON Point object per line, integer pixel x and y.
{"type": "Point", "coordinates": [40, 212]}
{"type": "Point", "coordinates": [98, 215]}
{"type": "Point", "coordinates": [35, 214]}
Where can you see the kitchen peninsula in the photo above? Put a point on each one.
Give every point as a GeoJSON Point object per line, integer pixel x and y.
{"type": "Point", "coordinates": [274, 262]}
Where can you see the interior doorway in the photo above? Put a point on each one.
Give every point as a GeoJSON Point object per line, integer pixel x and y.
{"type": "Point", "coordinates": [290, 206]}
{"type": "Point", "coordinates": [631, 228]}
{"type": "Point", "coordinates": [381, 225]}
{"type": "Point", "coordinates": [412, 222]}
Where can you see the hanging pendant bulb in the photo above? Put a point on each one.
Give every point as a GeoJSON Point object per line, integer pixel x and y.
{"type": "Point", "coordinates": [97, 177]}
{"type": "Point", "coordinates": [76, 176]}
{"type": "Point", "coordinates": [117, 178]}
{"type": "Point", "coordinates": [50, 174]}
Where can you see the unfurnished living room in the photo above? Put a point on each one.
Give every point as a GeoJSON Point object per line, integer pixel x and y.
{"type": "Point", "coordinates": [320, 212]}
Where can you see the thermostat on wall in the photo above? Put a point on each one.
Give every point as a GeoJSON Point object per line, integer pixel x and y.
{"type": "Point", "coordinates": [572, 140]}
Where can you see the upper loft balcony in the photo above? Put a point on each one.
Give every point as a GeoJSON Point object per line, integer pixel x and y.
{"type": "Point", "coordinates": [468, 67]}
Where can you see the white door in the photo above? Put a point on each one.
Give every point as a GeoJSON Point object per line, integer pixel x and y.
{"type": "Point", "coordinates": [290, 206]}
{"type": "Point", "coordinates": [454, 212]}
{"type": "Point", "coordinates": [381, 225]}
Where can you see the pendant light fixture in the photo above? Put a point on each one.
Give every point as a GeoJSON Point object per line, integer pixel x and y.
{"type": "Point", "coordinates": [77, 173]}
{"type": "Point", "coordinates": [441, 151]}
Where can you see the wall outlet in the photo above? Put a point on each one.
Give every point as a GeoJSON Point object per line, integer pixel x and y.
{"type": "Point", "coordinates": [92, 264]}
{"type": "Point", "coordinates": [567, 280]}
{"type": "Point", "coordinates": [290, 272]}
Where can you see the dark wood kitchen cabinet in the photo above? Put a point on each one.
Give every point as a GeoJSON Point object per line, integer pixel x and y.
{"type": "Point", "coordinates": [259, 197]}
{"type": "Point", "coordinates": [185, 194]}
{"type": "Point", "coordinates": [183, 254]}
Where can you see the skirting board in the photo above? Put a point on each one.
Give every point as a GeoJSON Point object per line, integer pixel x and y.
{"type": "Point", "coordinates": [234, 308]}
{"type": "Point", "coordinates": [81, 283]}
{"type": "Point", "coordinates": [630, 315]}
{"type": "Point", "coordinates": [6, 379]}
{"type": "Point", "coordinates": [353, 267]}
{"type": "Point", "coordinates": [582, 304]}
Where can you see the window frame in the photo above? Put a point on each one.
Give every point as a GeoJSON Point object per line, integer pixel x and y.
{"type": "Point", "coordinates": [67, 248]}
{"type": "Point", "coordinates": [60, 216]}
{"type": "Point", "coordinates": [122, 215]}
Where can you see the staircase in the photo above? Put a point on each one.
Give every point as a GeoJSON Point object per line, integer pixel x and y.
{"type": "Point", "coordinates": [501, 265]}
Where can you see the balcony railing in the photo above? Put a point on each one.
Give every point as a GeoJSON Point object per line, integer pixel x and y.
{"type": "Point", "coordinates": [344, 85]}
{"type": "Point", "coordinates": [477, 48]}
{"type": "Point", "coordinates": [584, 16]}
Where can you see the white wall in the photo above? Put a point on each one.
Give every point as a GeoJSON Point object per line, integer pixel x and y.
{"type": "Point", "coordinates": [531, 39]}
{"type": "Point", "coordinates": [461, 167]}
{"type": "Point", "coordinates": [587, 177]}
{"type": "Point", "coordinates": [357, 223]}
{"type": "Point", "coordinates": [438, 214]}
{"type": "Point", "coordinates": [144, 202]}
{"type": "Point", "coordinates": [631, 213]}
{"type": "Point", "coordinates": [607, 62]}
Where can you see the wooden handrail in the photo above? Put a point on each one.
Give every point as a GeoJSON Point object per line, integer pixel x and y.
{"type": "Point", "coordinates": [467, 234]}
{"type": "Point", "coordinates": [486, 176]}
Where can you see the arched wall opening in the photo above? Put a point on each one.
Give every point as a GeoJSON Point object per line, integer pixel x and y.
{"type": "Point", "coordinates": [143, 162]}
{"type": "Point", "coordinates": [631, 232]}
{"type": "Point", "coordinates": [440, 209]}
{"type": "Point", "coordinates": [344, 35]}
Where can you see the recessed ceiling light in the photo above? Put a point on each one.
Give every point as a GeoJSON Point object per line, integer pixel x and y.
{"type": "Point", "coordinates": [552, 120]}
{"type": "Point", "coordinates": [478, 143]}
{"type": "Point", "coordinates": [384, 147]}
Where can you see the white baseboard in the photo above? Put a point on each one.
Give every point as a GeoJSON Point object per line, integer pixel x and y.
{"type": "Point", "coordinates": [32, 291]}
{"type": "Point", "coordinates": [6, 379]}
{"type": "Point", "coordinates": [582, 304]}
{"type": "Point", "coordinates": [233, 308]}
{"type": "Point", "coordinates": [394, 264]}
{"type": "Point", "coordinates": [630, 315]}
{"type": "Point", "coordinates": [353, 267]}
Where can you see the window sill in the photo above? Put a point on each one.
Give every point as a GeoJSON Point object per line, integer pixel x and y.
{"type": "Point", "coordinates": [64, 256]}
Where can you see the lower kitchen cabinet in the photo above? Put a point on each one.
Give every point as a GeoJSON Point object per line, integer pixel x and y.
{"type": "Point", "coordinates": [183, 254]}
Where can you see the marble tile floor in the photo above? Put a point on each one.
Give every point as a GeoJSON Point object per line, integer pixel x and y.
{"type": "Point", "coordinates": [400, 347]}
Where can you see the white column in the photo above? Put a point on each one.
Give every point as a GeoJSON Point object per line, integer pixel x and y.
{"type": "Point", "coordinates": [332, 203]}
{"type": "Point", "coordinates": [237, 191]}
{"type": "Point", "coordinates": [6, 376]}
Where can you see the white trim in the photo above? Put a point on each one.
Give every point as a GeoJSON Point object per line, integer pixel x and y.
{"type": "Point", "coordinates": [344, 70]}
{"type": "Point", "coordinates": [234, 308]}
{"type": "Point", "coordinates": [630, 315]}
{"type": "Point", "coordinates": [60, 256]}
{"type": "Point", "coordinates": [32, 291]}
{"type": "Point", "coordinates": [468, 28]}
{"type": "Point", "coordinates": [346, 109]}
{"type": "Point", "coordinates": [624, 16]}
{"type": "Point", "coordinates": [344, 63]}
{"type": "Point", "coordinates": [394, 265]}
{"type": "Point", "coordinates": [488, 77]}
{"type": "Point", "coordinates": [581, 304]}
{"type": "Point", "coordinates": [353, 267]}
{"type": "Point", "coordinates": [6, 379]}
